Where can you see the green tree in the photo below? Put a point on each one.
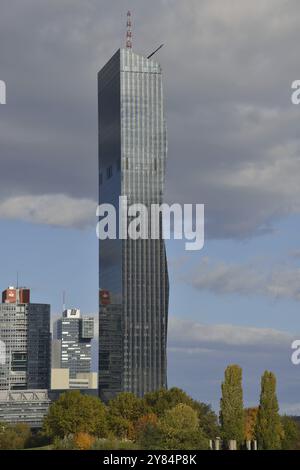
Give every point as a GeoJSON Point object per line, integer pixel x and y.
{"type": "Point", "coordinates": [291, 434]}
{"type": "Point", "coordinates": [121, 427]}
{"type": "Point", "coordinates": [73, 413]}
{"type": "Point", "coordinates": [143, 422]}
{"type": "Point", "coordinates": [268, 430]}
{"type": "Point", "coordinates": [208, 419]}
{"type": "Point", "coordinates": [180, 429]}
{"type": "Point", "coordinates": [128, 406]}
{"type": "Point", "coordinates": [14, 436]}
{"type": "Point", "coordinates": [151, 437]}
{"type": "Point", "coordinates": [231, 405]}
{"type": "Point", "coordinates": [124, 411]}
{"type": "Point", "coordinates": [162, 400]}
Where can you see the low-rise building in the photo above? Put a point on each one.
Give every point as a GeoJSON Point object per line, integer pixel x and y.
{"type": "Point", "coordinates": [24, 406]}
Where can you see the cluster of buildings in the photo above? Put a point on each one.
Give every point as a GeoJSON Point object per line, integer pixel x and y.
{"type": "Point", "coordinates": [133, 274]}
{"type": "Point", "coordinates": [37, 365]}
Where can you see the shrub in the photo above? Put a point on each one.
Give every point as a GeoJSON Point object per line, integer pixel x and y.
{"type": "Point", "coordinates": [83, 441]}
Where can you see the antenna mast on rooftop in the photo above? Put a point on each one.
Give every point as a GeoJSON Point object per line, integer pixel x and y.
{"type": "Point", "coordinates": [129, 31]}
{"type": "Point", "coordinates": [154, 52]}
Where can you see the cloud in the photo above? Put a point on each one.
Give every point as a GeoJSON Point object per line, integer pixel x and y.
{"type": "Point", "coordinates": [223, 278]}
{"type": "Point", "coordinates": [228, 67]}
{"type": "Point", "coordinates": [199, 353]}
{"type": "Point", "coordinates": [194, 337]}
{"type": "Point", "coordinates": [51, 209]}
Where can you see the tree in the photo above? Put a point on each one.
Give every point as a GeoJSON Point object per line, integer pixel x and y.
{"type": "Point", "coordinates": [124, 410]}
{"type": "Point", "coordinates": [143, 422]}
{"type": "Point", "coordinates": [162, 400]}
{"type": "Point", "coordinates": [231, 405]}
{"type": "Point", "coordinates": [291, 433]}
{"type": "Point", "coordinates": [73, 413]}
{"type": "Point", "coordinates": [268, 430]}
{"type": "Point", "coordinates": [147, 432]}
{"type": "Point", "coordinates": [250, 423]}
{"type": "Point", "coordinates": [208, 419]}
{"type": "Point", "coordinates": [180, 429]}
{"type": "Point", "coordinates": [151, 437]}
{"type": "Point", "coordinates": [14, 436]}
{"type": "Point", "coordinates": [121, 427]}
{"type": "Point", "coordinates": [128, 406]}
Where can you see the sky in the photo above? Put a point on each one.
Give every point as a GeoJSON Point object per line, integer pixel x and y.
{"type": "Point", "coordinates": [233, 139]}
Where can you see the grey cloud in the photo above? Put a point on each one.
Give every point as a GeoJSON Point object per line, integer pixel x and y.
{"type": "Point", "coordinates": [223, 278]}
{"type": "Point", "coordinates": [194, 337]}
{"type": "Point", "coordinates": [51, 209]}
{"type": "Point", "coordinates": [228, 67]}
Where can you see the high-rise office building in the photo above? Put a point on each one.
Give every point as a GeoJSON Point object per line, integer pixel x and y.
{"type": "Point", "coordinates": [133, 276]}
{"type": "Point", "coordinates": [25, 333]}
{"type": "Point", "coordinates": [72, 342]}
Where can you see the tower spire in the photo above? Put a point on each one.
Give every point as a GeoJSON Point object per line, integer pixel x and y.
{"type": "Point", "coordinates": [129, 31]}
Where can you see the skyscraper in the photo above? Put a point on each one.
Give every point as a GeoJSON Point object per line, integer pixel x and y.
{"type": "Point", "coordinates": [25, 332]}
{"type": "Point", "coordinates": [74, 334]}
{"type": "Point", "coordinates": [133, 276]}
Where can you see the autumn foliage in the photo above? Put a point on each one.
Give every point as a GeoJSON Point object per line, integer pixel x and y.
{"type": "Point", "coordinates": [250, 423]}
{"type": "Point", "coordinates": [83, 441]}
{"type": "Point", "coordinates": [144, 421]}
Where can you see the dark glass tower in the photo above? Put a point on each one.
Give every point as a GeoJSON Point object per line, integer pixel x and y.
{"type": "Point", "coordinates": [133, 276]}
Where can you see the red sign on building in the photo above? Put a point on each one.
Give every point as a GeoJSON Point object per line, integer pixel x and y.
{"type": "Point", "coordinates": [9, 296]}
{"type": "Point", "coordinates": [13, 295]}
{"type": "Point", "coordinates": [104, 297]}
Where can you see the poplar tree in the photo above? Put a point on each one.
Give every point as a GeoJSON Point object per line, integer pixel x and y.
{"type": "Point", "coordinates": [269, 431]}
{"type": "Point", "coordinates": [231, 405]}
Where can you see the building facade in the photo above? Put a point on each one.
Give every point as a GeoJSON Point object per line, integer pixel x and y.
{"type": "Point", "coordinates": [74, 334]}
{"type": "Point", "coordinates": [60, 380]}
{"type": "Point", "coordinates": [24, 406]}
{"type": "Point", "coordinates": [133, 276]}
{"type": "Point", "coordinates": [25, 333]}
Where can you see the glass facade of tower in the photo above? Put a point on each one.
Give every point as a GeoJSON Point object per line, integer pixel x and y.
{"type": "Point", "coordinates": [25, 331]}
{"type": "Point", "coordinates": [133, 277]}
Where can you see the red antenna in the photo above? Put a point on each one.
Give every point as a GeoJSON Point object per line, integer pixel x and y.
{"type": "Point", "coordinates": [129, 31]}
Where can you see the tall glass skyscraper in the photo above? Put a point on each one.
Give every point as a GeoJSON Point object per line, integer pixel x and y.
{"type": "Point", "coordinates": [133, 276]}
